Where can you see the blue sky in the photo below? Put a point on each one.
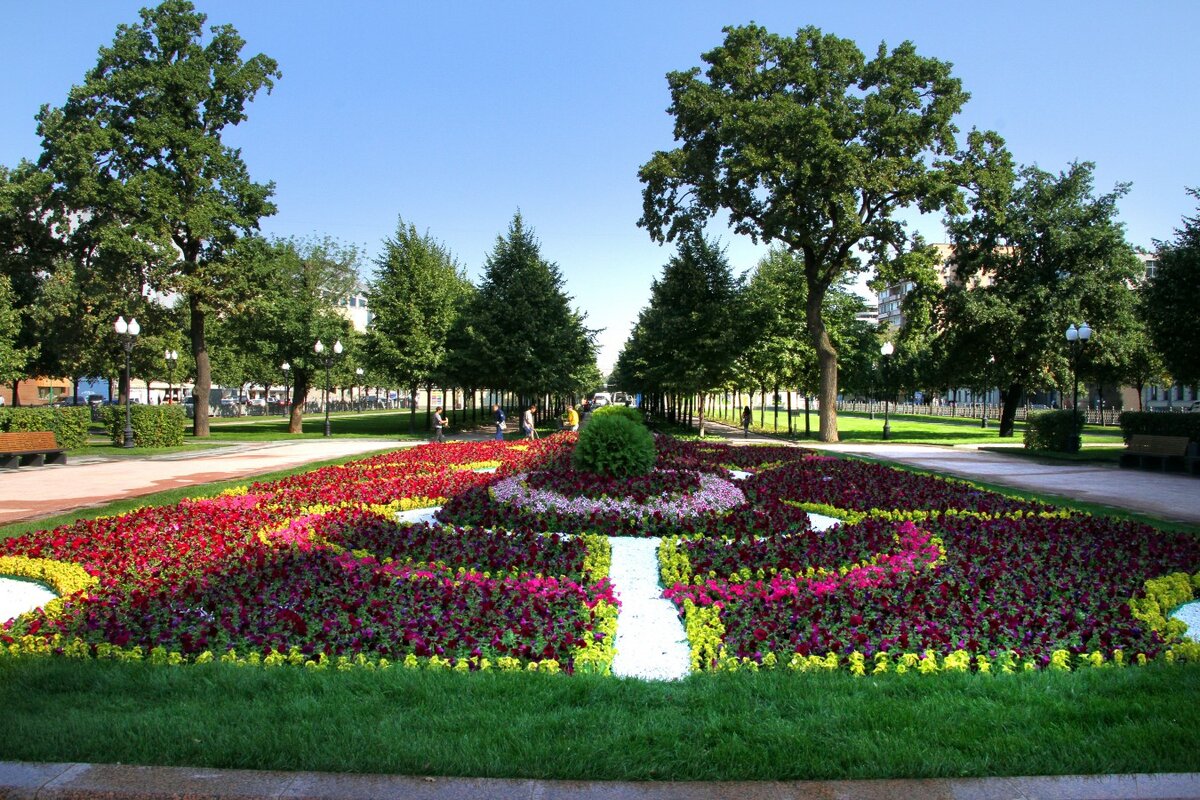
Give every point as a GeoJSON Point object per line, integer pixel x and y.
{"type": "Point", "coordinates": [455, 115]}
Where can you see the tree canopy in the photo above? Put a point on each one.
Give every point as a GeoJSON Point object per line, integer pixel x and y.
{"type": "Point", "coordinates": [1038, 252]}
{"type": "Point", "coordinates": [520, 330]}
{"type": "Point", "coordinates": [1173, 297]}
{"type": "Point", "coordinates": [417, 294]}
{"type": "Point", "coordinates": [804, 141]}
{"type": "Point", "coordinates": [141, 171]}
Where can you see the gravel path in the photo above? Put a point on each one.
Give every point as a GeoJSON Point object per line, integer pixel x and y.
{"type": "Point", "coordinates": [651, 643]}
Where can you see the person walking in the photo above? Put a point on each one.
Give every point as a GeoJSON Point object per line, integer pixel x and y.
{"type": "Point", "coordinates": [527, 423]}
{"type": "Point", "coordinates": [498, 416]}
{"type": "Point", "coordinates": [572, 419]}
{"type": "Point", "coordinates": [439, 424]}
{"type": "Point", "coordinates": [746, 418]}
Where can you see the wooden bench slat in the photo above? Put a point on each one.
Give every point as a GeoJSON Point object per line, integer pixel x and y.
{"type": "Point", "coordinates": [29, 449]}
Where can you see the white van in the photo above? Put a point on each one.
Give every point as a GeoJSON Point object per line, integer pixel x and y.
{"type": "Point", "coordinates": [600, 399]}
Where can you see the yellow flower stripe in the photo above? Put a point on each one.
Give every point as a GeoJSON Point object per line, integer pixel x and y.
{"type": "Point", "coordinates": [1164, 595]}
{"type": "Point", "coordinates": [63, 577]}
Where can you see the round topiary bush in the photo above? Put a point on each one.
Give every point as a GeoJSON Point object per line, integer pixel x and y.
{"type": "Point", "coordinates": [613, 444]}
{"type": "Point", "coordinates": [631, 414]}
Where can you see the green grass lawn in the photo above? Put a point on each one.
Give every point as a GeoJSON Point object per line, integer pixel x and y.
{"type": "Point", "coordinates": [765, 726]}
{"type": "Point", "coordinates": [908, 429]}
{"type": "Point", "coordinates": [367, 424]}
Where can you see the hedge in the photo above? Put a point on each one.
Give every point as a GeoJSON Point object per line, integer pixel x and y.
{"type": "Point", "coordinates": [153, 426]}
{"type": "Point", "coordinates": [70, 425]}
{"type": "Point", "coordinates": [1160, 424]}
{"type": "Point", "coordinates": [1057, 431]}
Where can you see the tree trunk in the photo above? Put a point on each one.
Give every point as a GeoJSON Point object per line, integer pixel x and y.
{"type": "Point", "coordinates": [807, 420]}
{"type": "Point", "coordinates": [826, 363]}
{"type": "Point", "coordinates": [17, 392]}
{"type": "Point", "coordinates": [775, 405]}
{"type": "Point", "coordinates": [789, 412]}
{"type": "Point", "coordinates": [299, 395]}
{"type": "Point", "coordinates": [203, 370]}
{"type": "Point", "coordinates": [1008, 416]}
{"type": "Point", "coordinates": [762, 407]}
{"type": "Point", "coordinates": [412, 409]}
{"type": "Point", "coordinates": [700, 416]}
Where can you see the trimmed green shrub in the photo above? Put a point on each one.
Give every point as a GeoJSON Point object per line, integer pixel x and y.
{"type": "Point", "coordinates": [1160, 424]}
{"type": "Point", "coordinates": [619, 410]}
{"type": "Point", "coordinates": [153, 426]}
{"type": "Point", "coordinates": [1058, 431]}
{"type": "Point", "coordinates": [614, 445]}
{"type": "Point", "coordinates": [70, 425]}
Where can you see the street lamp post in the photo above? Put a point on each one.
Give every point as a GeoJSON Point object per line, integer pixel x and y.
{"type": "Point", "coordinates": [127, 331]}
{"type": "Point", "coordinates": [359, 372]}
{"type": "Point", "coordinates": [886, 351]}
{"type": "Point", "coordinates": [983, 415]}
{"type": "Point", "coordinates": [1077, 337]}
{"type": "Point", "coordinates": [319, 349]}
{"type": "Point", "coordinates": [285, 366]}
{"type": "Point", "coordinates": [172, 358]}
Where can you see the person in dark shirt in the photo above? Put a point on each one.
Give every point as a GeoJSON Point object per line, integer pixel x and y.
{"type": "Point", "coordinates": [498, 415]}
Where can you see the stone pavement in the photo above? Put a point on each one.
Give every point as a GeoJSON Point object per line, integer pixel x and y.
{"type": "Point", "coordinates": [110, 781]}
{"type": "Point", "coordinates": [1167, 496]}
{"type": "Point", "coordinates": [34, 492]}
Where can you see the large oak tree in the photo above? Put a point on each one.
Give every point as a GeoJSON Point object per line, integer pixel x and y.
{"type": "Point", "coordinates": [140, 167]}
{"type": "Point", "coordinates": [804, 141]}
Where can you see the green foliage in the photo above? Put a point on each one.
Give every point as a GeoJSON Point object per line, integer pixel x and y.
{"type": "Point", "coordinates": [519, 331]}
{"type": "Point", "coordinates": [12, 357]}
{"type": "Point", "coordinates": [686, 339]}
{"type": "Point", "coordinates": [804, 141]}
{"type": "Point", "coordinates": [615, 445]}
{"type": "Point", "coordinates": [617, 410]}
{"type": "Point", "coordinates": [141, 171]}
{"type": "Point", "coordinates": [1038, 252]}
{"type": "Point", "coordinates": [1173, 301]}
{"type": "Point", "coordinates": [418, 292]}
{"type": "Point", "coordinates": [70, 425]}
{"type": "Point", "coordinates": [153, 426]}
{"type": "Point", "coordinates": [1145, 422]}
{"type": "Point", "coordinates": [1058, 431]}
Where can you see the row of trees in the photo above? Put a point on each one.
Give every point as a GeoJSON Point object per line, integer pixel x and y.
{"type": "Point", "coordinates": [137, 207]}
{"type": "Point", "coordinates": [805, 143]}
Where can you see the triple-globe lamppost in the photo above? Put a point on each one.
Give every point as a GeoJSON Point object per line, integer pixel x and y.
{"type": "Point", "coordinates": [886, 351]}
{"type": "Point", "coordinates": [358, 371]}
{"type": "Point", "coordinates": [127, 332]}
{"type": "Point", "coordinates": [172, 359]}
{"type": "Point", "coordinates": [327, 357]}
{"type": "Point", "coordinates": [1077, 338]}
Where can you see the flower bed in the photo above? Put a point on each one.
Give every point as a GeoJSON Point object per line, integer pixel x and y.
{"type": "Point", "coordinates": [864, 487]}
{"type": "Point", "coordinates": [1026, 589]}
{"type": "Point", "coordinates": [927, 574]}
{"type": "Point", "coordinates": [299, 571]}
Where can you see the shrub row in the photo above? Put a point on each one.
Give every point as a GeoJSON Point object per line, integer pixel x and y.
{"type": "Point", "coordinates": [70, 425]}
{"type": "Point", "coordinates": [1145, 422]}
{"type": "Point", "coordinates": [153, 426]}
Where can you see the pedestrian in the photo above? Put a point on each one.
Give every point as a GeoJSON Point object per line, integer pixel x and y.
{"type": "Point", "coordinates": [527, 423]}
{"type": "Point", "coordinates": [746, 417]}
{"type": "Point", "coordinates": [498, 416]}
{"type": "Point", "coordinates": [572, 419]}
{"type": "Point", "coordinates": [439, 424]}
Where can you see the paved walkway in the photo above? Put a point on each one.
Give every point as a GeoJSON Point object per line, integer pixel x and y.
{"type": "Point", "coordinates": [109, 781]}
{"type": "Point", "coordinates": [1172, 497]}
{"type": "Point", "coordinates": [33, 493]}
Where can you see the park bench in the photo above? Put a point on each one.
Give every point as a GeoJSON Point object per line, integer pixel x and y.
{"type": "Point", "coordinates": [1159, 452]}
{"type": "Point", "coordinates": [32, 448]}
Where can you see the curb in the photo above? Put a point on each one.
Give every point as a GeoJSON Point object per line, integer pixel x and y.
{"type": "Point", "coordinates": [116, 782]}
